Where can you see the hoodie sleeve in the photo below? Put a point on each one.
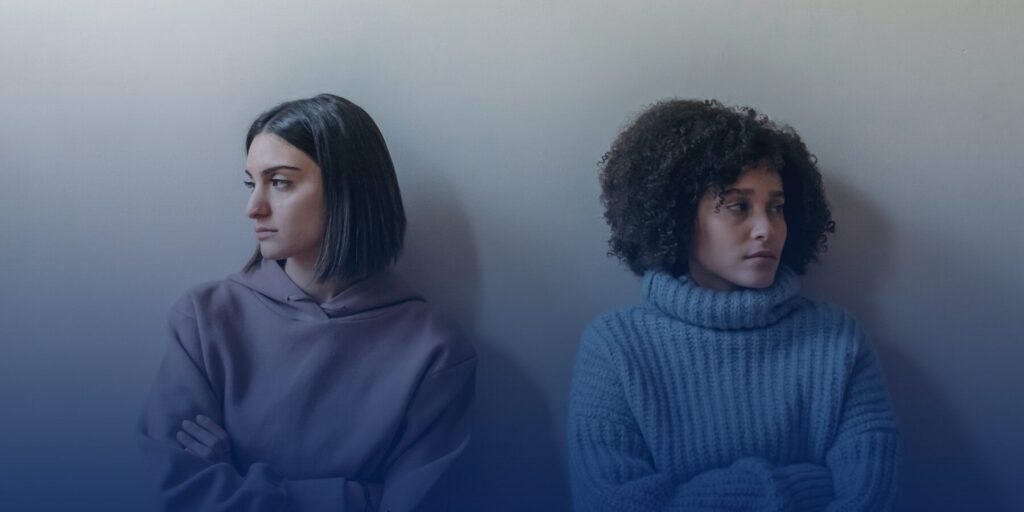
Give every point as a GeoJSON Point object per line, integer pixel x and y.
{"type": "Point", "coordinates": [436, 430]}
{"type": "Point", "coordinates": [188, 483]}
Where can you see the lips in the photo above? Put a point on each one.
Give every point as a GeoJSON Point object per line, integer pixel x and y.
{"type": "Point", "coordinates": [762, 254]}
{"type": "Point", "coordinates": [262, 233]}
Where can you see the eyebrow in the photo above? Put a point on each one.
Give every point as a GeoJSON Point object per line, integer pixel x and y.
{"type": "Point", "coordinates": [750, 192]}
{"type": "Point", "coordinates": [272, 170]}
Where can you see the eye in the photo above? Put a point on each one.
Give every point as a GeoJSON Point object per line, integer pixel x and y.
{"type": "Point", "coordinates": [779, 208]}
{"type": "Point", "coordinates": [737, 207]}
{"type": "Point", "coordinates": [248, 184]}
{"type": "Point", "coordinates": [279, 183]}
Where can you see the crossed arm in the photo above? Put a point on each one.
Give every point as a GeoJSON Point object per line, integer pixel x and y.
{"type": "Point", "coordinates": [187, 453]}
{"type": "Point", "coordinates": [612, 468]}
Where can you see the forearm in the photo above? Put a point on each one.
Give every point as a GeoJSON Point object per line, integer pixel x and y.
{"type": "Point", "coordinates": [806, 486]}
{"type": "Point", "coordinates": [338, 494]}
{"type": "Point", "coordinates": [612, 471]}
{"type": "Point", "coordinates": [186, 482]}
{"type": "Point", "coordinates": [755, 484]}
{"type": "Point", "coordinates": [866, 472]}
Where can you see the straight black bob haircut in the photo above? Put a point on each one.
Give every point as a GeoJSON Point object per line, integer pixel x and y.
{"type": "Point", "coordinates": [674, 153]}
{"type": "Point", "coordinates": [364, 226]}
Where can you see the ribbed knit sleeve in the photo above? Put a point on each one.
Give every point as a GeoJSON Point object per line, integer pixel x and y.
{"type": "Point", "coordinates": [752, 399]}
{"type": "Point", "coordinates": [865, 456]}
{"type": "Point", "coordinates": [612, 468]}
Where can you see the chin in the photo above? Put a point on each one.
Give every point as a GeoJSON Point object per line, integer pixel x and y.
{"type": "Point", "coordinates": [758, 280]}
{"type": "Point", "coordinates": [271, 253]}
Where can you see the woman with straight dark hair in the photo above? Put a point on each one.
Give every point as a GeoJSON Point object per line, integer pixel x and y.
{"type": "Point", "coordinates": [316, 378]}
{"type": "Point", "coordinates": [725, 388]}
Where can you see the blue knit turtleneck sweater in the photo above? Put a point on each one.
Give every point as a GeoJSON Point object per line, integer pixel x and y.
{"type": "Point", "coordinates": [698, 399]}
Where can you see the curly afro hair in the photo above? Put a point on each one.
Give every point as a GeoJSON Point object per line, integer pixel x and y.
{"type": "Point", "coordinates": [674, 153]}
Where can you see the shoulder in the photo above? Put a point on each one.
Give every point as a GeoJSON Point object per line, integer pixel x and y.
{"type": "Point", "coordinates": [206, 298]}
{"type": "Point", "coordinates": [835, 326]}
{"type": "Point", "coordinates": [623, 329]}
{"type": "Point", "coordinates": [607, 328]}
{"type": "Point", "coordinates": [440, 335]}
{"type": "Point", "coordinates": [188, 317]}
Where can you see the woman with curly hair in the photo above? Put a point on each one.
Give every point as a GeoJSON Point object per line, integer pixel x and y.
{"type": "Point", "coordinates": [725, 388]}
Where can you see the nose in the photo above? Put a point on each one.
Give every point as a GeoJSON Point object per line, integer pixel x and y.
{"type": "Point", "coordinates": [762, 228]}
{"type": "Point", "coordinates": [257, 206]}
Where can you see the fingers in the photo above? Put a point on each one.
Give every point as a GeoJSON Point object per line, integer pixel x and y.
{"type": "Point", "coordinates": [204, 438]}
{"type": "Point", "coordinates": [194, 447]}
{"type": "Point", "coordinates": [201, 434]}
{"type": "Point", "coordinates": [213, 427]}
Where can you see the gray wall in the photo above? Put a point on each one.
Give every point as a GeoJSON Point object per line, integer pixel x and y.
{"type": "Point", "coordinates": [121, 130]}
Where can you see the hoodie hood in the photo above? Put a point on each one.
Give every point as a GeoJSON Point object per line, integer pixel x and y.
{"type": "Point", "coordinates": [274, 288]}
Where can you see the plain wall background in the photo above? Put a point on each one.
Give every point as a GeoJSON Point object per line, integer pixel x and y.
{"type": "Point", "coordinates": [121, 152]}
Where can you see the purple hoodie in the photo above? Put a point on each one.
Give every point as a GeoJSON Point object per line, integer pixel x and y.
{"type": "Point", "coordinates": [360, 403]}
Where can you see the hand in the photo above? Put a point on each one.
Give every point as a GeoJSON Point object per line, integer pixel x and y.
{"type": "Point", "coordinates": [205, 439]}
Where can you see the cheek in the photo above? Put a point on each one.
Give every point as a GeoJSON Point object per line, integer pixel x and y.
{"type": "Point", "coordinates": [302, 214]}
{"type": "Point", "coordinates": [720, 234]}
{"type": "Point", "coordinates": [312, 217]}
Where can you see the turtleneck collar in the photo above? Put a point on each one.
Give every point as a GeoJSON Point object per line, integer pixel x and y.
{"type": "Point", "coordinates": [746, 308]}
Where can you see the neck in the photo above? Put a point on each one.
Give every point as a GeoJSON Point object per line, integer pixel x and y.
{"type": "Point", "coordinates": [302, 272]}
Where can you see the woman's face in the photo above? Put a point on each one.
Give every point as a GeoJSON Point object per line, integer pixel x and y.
{"type": "Point", "coordinates": [738, 242]}
{"type": "Point", "coordinates": [287, 199]}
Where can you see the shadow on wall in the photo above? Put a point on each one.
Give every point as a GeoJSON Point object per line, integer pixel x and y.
{"type": "Point", "coordinates": [941, 470]}
{"type": "Point", "coordinates": [511, 463]}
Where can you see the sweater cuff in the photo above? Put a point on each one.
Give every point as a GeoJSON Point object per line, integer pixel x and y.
{"type": "Point", "coordinates": [808, 486]}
